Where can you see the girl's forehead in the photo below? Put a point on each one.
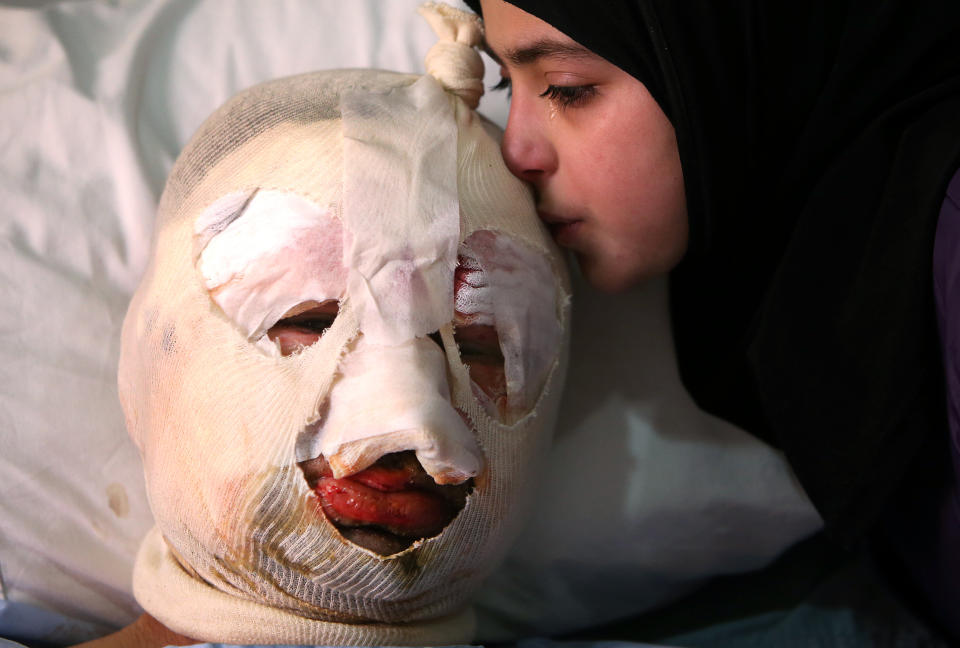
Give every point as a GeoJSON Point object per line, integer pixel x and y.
{"type": "Point", "coordinates": [515, 37]}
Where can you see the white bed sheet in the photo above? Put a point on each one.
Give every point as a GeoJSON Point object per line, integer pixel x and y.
{"type": "Point", "coordinates": [645, 496]}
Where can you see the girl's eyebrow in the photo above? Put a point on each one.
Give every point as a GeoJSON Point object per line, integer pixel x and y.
{"type": "Point", "coordinates": [545, 47]}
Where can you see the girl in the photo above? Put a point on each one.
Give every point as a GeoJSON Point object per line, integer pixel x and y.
{"type": "Point", "coordinates": [795, 169]}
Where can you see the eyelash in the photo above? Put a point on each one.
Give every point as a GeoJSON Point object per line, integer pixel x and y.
{"type": "Point", "coordinates": [564, 96]}
{"type": "Point", "coordinates": [569, 96]}
{"type": "Point", "coordinates": [503, 84]}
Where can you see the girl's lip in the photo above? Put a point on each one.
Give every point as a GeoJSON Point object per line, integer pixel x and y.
{"type": "Point", "coordinates": [552, 219]}
{"type": "Point", "coordinates": [564, 229]}
{"type": "Point", "coordinates": [565, 233]}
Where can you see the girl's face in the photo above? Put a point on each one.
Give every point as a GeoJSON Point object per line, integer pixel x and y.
{"type": "Point", "coordinates": [597, 148]}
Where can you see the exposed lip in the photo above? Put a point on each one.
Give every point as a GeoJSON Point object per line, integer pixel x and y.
{"type": "Point", "coordinates": [406, 503]}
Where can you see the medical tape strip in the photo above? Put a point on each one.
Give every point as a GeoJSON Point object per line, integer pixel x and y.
{"type": "Point", "coordinates": [400, 209]}
{"type": "Point", "coordinates": [395, 398]}
{"type": "Point", "coordinates": [267, 252]}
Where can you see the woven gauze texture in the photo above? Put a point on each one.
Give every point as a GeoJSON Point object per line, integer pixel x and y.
{"type": "Point", "coordinates": [241, 552]}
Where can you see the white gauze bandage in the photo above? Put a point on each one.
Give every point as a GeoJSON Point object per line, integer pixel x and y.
{"type": "Point", "coordinates": [260, 266]}
{"type": "Point", "coordinates": [400, 158]}
{"type": "Point", "coordinates": [302, 312]}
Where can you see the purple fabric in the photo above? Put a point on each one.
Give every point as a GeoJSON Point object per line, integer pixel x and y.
{"type": "Point", "coordinates": [946, 288]}
{"type": "Point", "coordinates": [943, 579]}
{"type": "Point", "coordinates": [923, 525]}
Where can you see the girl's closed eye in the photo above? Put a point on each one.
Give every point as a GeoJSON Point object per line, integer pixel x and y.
{"type": "Point", "coordinates": [569, 96]}
{"type": "Point", "coordinates": [503, 84]}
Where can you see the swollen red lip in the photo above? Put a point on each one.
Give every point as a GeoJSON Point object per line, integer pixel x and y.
{"type": "Point", "coordinates": [387, 506]}
{"type": "Point", "coordinates": [387, 478]}
{"type": "Point", "coordinates": [407, 513]}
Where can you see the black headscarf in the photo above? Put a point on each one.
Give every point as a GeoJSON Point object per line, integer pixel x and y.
{"type": "Point", "coordinates": [817, 140]}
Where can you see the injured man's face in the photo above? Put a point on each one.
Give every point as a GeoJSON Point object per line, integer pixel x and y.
{"type": "Point", "coordinates": [394, 502]}
{"type": "Point", "coordinates": [390, 459]}
{"type": "Point", "coordinates": [342, 366]}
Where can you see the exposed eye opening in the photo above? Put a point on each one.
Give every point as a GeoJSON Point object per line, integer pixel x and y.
{"type": "Point", "coordinates": [480, 351]}
{"type": "Point", "coordinates": [477, 338]}
{"type": "Point", "coordinates": [435, 336]}
{"type": "Point", "coordinates": [303, 325]}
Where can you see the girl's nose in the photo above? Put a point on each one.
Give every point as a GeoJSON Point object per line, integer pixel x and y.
{"type": "Point", "coordinates": [526, 146]}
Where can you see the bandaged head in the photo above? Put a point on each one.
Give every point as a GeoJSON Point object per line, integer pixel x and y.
{"type": "Point", "coordinates": [343, 361]}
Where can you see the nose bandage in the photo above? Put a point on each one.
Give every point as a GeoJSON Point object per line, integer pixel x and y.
{"type": "Point", "coordinates": [396, 398]}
